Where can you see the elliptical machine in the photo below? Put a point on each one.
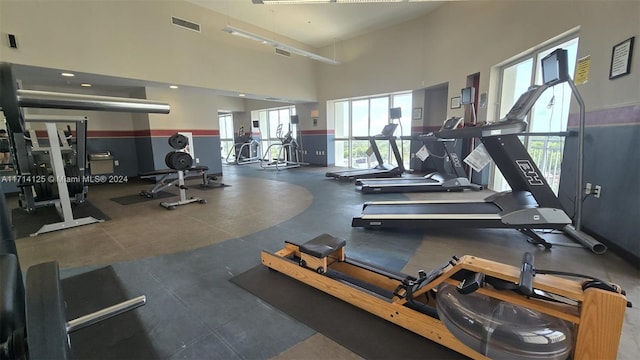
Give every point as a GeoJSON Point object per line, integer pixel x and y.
{"type": "Point", "coordinates": [289, 152]}
{"type": "Point", "coordinates": [246, 149]}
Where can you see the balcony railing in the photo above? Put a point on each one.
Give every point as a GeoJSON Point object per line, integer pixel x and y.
{"type": "Point", "coordinates": [547, 154]}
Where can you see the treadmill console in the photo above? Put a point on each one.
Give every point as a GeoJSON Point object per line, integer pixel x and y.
{"type": "Point", "coordinates": [524, 104]}
{"type": "Point", "coordinates": [389, 129]}
{"type": "Point", "coordinates": [451, 123]}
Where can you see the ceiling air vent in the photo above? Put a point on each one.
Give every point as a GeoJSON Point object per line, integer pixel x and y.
{"type": "Point", "coordinates": [283, 52]}
{"type": "Point", "coordinates": [185, 24]}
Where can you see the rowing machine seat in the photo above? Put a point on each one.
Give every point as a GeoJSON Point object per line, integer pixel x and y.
{"type": "Point", "coordinates": [322, 246]}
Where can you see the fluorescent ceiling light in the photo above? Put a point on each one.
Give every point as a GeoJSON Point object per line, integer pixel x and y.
{"type": "Point", "coordinates": [266, 41]}
{"type": "Point", "coordinates": [67, 74]}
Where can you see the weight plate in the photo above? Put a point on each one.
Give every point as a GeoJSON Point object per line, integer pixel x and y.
{"type": "Point", "coordinates": [45, 310]}
{"type": "Point", "coordinates": [39, 175]}
{"type": "Point", "coordinates": [9, 99]}
{"type": "Point", "coordinates": [48, 185]}
{"type": "Point", "coordinates": [74, 184]}
{"type": "Point", "coordinates": [181, 161]}
{"type": "Point", "coordinates": [178, 141]}
{"type": "Point", "coordinates": [167, 159]}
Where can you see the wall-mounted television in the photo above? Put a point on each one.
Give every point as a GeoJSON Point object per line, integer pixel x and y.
{"type": "Point", "coordinates": [467, 95]}
{"type": "Point", "coordinates": [256, 123]}
{"type": "Point", "coordinates": [555, 67]}
{"type": "Point", "coordinates": [395, 113]}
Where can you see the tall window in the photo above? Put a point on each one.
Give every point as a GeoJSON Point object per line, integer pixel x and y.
{"type": "Point", "coordinates": [270, 121]}
{"type": "Point", "coordinates": [226, 133]}
{"type": "Point", "coordinates": [550, 113]}
{"type": "Point", "coordinates": [363, 117]}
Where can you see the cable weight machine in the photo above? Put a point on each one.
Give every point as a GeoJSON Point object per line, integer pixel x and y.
{"type": "Point", "coordinates": [34, 324]}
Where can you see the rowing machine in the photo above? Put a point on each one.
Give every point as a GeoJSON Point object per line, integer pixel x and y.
{"type": "Point", "coordinates": [559, 318]}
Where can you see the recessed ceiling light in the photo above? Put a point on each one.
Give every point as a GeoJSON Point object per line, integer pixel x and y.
{"type": "Point", "coordinates": [85, 85]}
{"type": "Point", "coordinates": [173, 86]}
{"type": "Point", "coordinates": [67, 74]}
{"type": "Point", "coordinates": [241, 95]}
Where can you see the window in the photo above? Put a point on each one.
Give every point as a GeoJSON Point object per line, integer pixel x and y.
{"type": "Point", "coordinates": [226, 133]}
{"type": "Point", "coordinates": [272, 120]}
{"type": "Point", "coordinates": [365, 117]}
{"type": "Point", "coordinates": [550, 113]}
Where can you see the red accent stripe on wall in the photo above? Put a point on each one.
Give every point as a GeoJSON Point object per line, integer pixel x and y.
{"type": "Point", "coordinates": [112, 133]}
{"type": "Point", "coordinates": [195, 132]}
{"type": "Point", "coordinates": [626, 115]}
{"type": "Point", "coordinates": [144, 133]}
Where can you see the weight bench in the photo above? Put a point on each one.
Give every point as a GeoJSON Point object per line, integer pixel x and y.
{"type": "Point", "coordinates": [167, 181]}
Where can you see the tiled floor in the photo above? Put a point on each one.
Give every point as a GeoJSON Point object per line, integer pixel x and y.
{"type": "Point", "coordinates": [182, 259]}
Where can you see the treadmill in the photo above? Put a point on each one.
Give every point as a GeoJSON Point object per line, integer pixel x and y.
{"type": "Point", "coordinates": [436, 181]}
{"type": "Point", "coordinates": [530, 205]}
{"type": "Point", "coordinates": [381, 170]}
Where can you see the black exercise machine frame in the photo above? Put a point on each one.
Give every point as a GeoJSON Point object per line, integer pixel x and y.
{"type": "Point", "coordinates": [380, 170]}
{"type": "Point", "coordinates": [440, 181]}
{"type": "Point", "coordinates": [33, 322]}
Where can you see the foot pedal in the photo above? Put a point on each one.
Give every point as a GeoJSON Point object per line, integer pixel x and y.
{"type": "Point", "coordinates": [471, 283]}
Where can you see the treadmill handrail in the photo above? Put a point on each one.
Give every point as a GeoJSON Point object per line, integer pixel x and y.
{"type": "Point", "coordinates": [375, 137]}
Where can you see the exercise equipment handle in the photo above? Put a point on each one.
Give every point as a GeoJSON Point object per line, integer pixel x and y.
{"type": "Point", "coordinates": [106, 313]}
{"type": "Point", "coordinates": [55, 100]}
{"type": "Point", "coordinates": [525, 285]}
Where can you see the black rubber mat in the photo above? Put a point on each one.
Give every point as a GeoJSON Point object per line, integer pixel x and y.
{"type": "Point", "coordinates": [137, 198]}
{"type": "Point", "coordinates": [211, 186]}
{"type": "Point", "coordinates": [121, 337]}
{"type": "Point", "coordinates": [26, 224]}
{"type": "Point", "coordinates": [357, 330]}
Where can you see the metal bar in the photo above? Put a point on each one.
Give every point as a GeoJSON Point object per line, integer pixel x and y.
{"type": "Point", "coordinates": [100, 315]}
{"type": "Point", "coordinates": [580, 171]}
{"type": "Point", "coordinates": [54, 100]}
{"type": "Point", "coordinates": [53, 118]}
{"type": "Point", "coordinates": [59, 177]}
{"type": "Point", "coordinates": [552, 133]}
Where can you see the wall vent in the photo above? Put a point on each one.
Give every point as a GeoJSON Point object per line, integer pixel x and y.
{"type": "Point", "coordinates": [185, 24]}
{"type": "Point", "coordinates": [283, 52]}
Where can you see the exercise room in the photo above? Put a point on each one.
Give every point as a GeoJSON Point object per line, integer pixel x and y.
{"type": "Point", "coordinates": [319, 179]}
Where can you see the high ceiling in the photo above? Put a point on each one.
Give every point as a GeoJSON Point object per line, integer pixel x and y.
{"type": "Point", "coordinates": [316, 25]}
{"type": "Point", "coordinates": [320, 25]}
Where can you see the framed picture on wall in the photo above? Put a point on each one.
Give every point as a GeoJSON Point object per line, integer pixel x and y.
{"type": "Point", "coordinates": [621, 58]}
{"type": "Point", "coordinates": [455, 102]}
{"type": "Point", "coordinates": [417, 113]}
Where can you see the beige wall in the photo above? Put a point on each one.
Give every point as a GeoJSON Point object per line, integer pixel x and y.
{"type": "Point", "coordinates": [195, 109]}
{"type": "Point", "coordinates": [463, 38]}
{"type": "Point", "coordinates": [135, 39]}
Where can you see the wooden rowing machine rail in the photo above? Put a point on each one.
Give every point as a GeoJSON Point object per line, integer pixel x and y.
{"type": "Point", "coordinates": [595, 314]}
